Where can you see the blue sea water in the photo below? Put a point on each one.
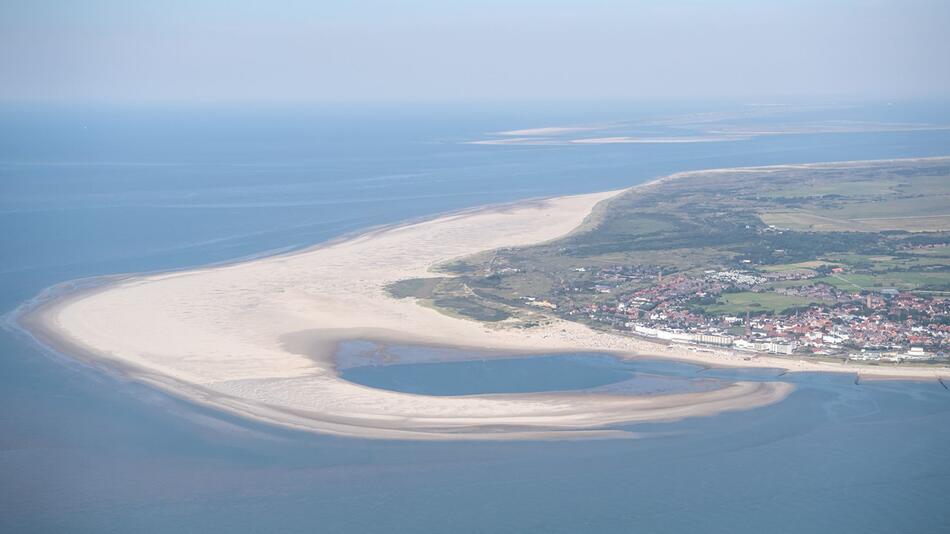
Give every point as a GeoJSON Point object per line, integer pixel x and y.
{"type": "Point", "coordinates": [101, 190]}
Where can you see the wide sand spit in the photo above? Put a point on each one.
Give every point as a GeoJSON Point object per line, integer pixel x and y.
{"type": "Point", "coordinates": [257, 338]}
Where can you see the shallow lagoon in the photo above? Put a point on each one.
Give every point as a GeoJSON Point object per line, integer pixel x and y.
{"type": "Point", "coordinates": [450, 372]}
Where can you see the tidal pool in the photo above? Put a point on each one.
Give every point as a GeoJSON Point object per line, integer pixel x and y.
{"type": "Point", "coordinates": [451, 372]}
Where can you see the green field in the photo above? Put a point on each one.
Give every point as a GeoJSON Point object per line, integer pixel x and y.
{"type": "Point", "coordinates": [908, 280]}
{"type": "Point", "coordinates": [943, 252]}
{"type": "Point", "coordinates": [740, 303]}
{"type": "Point", "coordinates": [808, 221]}
{"type": "Point", "coordinates": [881, 263]}
{"type": "Point", "coordinates": [905, 200]}
{"type": "Point", "coordinates": [820, 188]}
{"type": "Point", "coordinates": [814, 264]}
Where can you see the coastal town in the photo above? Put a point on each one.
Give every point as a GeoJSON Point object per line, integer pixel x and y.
{"type": "Point", "coordinates": [807, 317]}
{"type": "Point", "coordinates": [730, 262]}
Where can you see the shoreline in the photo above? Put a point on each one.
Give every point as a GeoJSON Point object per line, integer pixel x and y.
{"type": "Point", "coordinates": [255, 338]}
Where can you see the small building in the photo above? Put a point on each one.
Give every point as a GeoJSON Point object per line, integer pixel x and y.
{"type": "Point", "coordinates": [712, 339]}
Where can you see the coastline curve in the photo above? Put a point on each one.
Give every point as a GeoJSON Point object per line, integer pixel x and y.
{"type": "Point", "coordinates": [218, 336]}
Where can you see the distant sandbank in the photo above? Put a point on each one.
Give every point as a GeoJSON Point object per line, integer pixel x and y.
{"type": "Point", "coordinates": [257, 338]}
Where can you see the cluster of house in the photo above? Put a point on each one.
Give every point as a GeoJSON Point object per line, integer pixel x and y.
{"type": "Point", "coordinates": [870, 322]}
{"type": "Point", "coordinates": [886, 325]}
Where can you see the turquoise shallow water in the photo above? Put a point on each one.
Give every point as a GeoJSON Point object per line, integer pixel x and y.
{"type": "Point", "coordinates": [86, 192]}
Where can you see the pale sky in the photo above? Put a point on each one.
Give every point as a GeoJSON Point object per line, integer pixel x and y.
{"type": "Point", "coordinates": [240, 50]}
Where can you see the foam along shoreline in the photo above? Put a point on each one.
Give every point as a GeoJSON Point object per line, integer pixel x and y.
{"type": "Point", "coordinates": [257, 338]}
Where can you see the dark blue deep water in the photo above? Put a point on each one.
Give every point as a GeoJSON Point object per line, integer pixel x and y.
{"type": "Point", "coordinates": [95, 191]}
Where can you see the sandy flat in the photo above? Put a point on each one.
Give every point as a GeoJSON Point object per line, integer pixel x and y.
{"type": "Point", "coordinates": [256, 338]}
{"type": "Point", "coordinates": [547, 130]}
{"type": "Point", "coordinates": [656, 140]}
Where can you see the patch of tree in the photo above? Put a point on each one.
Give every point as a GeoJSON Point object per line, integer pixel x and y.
{"type": "Point", "coordinates": [805, 246]}
{"type": "Point", "coordinates": [927, 239]}
{"type": "Point", "coordinates": [458, 267]}
{"type": "Point", "coordinates": [796, 309]}
{"type": "Point", "coordinates": [708, 230]}
{"type": "Point", "coordinates": [492, 280]}
{"type": "Point", "coordinates": [469, 308]}
{"type": "Point", "coordinates": [702, 301]}
{"type": "Point", "coordinates": [789, 202]}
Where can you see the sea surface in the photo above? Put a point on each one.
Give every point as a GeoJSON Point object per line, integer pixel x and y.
{"type": "Point", "coordinates": [96, 190]}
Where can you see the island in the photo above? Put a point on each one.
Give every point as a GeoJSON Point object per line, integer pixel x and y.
{"type": "Point", "coordinates": [830, 262]}
{"type": "Point", "coordinates": [706, 266]}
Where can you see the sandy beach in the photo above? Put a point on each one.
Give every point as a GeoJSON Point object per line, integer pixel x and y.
{"type": "Point", "coordinates": [257, 338]}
